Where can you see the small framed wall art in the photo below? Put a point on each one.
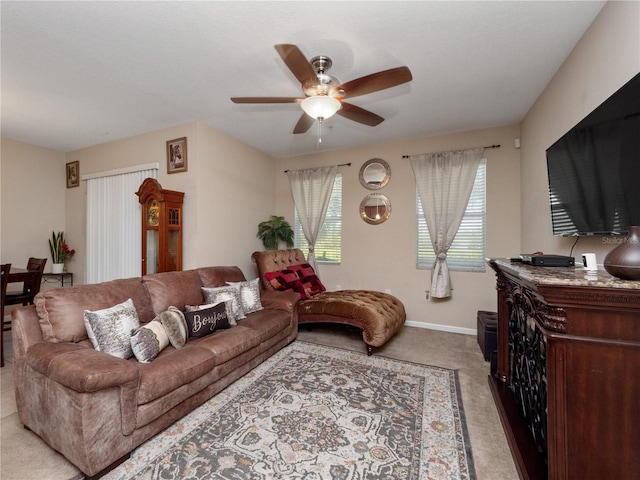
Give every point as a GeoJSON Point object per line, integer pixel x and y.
{"type": "Point", "coordinates": [177, 155]}
{"type": "Point", "coordinates": [73, 174]}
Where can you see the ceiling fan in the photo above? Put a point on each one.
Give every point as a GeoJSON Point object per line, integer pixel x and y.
{"type": "Point", "coordinates": [324, 94]}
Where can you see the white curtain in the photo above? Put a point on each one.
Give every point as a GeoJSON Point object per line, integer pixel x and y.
{"type": "Point", "coordinates": [311, 190]}
{"type": "Point", "coordinates": [444, 182]}
{"type": "Point", "coordinates": [114, 236]}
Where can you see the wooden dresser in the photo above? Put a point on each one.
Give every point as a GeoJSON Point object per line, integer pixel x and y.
{"type": "Point", "coordinates": [567, 384]}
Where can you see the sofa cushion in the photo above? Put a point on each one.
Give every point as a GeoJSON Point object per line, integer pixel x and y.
{"type": "Point", "coordinates": [172, 369]}
{"type": "Point", "coordinates": [268, 323]}
{"type": "Point", "coordinates": [225, 294]}
{"type": "Point", "coordinates": [148, 341]}
{"type": "Point", "coordinates": [205, 321]}
{"type": "Point", "coordinates": [61, 310]}
{"type": "Point", "coordinates": [173, 288]}
{"type": "Point", "coordinates": [110, 329]}
{"type": "Point", "coordinates": [217, 276]}
{"type": "Point", "coordinates": [249, 295]}
{"type": "Point", "coordinates": [228, 344]}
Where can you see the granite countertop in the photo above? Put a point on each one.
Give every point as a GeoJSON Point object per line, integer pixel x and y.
{"type": "Point", "coordinates": [570, 276]}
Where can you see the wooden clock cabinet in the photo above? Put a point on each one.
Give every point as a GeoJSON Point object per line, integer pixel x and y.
{"type": "Point", "coordinates": [161, 227]}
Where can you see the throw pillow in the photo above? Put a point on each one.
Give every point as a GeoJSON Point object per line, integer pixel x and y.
{"type": "Point", "coordinates": [110, 329]}
{"type": "Point", "coordinates": [249, 295]}
{"type": "Point", "coordinates": [310, 281]}
{"type": "Point", "coordinates": [225, 294]}
{"type": "Point", "coordinates": [284, 281]}
{"type": "Point", "coordinates": [229, 304]}
{"type": "Point", "coordinates": [149, 340]}
{"type": "Point", "coordinates": [300, 278]}
{"type": "Point", "coordinates": [204, 321]}
{"type": "Point", "coordinates": [175, 325]}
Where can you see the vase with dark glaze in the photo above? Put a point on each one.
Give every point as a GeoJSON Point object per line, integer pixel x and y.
{"type": "Point", "coordinates": [624, 260]}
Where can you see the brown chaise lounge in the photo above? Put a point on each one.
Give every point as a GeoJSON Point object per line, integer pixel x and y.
{"type": "Point", "coordinates": [379, 315]}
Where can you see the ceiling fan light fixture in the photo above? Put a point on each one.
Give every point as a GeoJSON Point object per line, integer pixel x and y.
{"type": "Point", "coordinates": [320, 106]}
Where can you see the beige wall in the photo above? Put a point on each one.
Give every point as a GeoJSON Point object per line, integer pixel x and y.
{"type": "Point", "coordinates": [382, 257]}
{"type": "Point", "coordinates": [33, 200]}
{"type": "Point", "coordinates": [235, 192]}
{"type": "Point", "coordinates": [606, 57]}
{"type": "Point", "coordinates": [229, 188]}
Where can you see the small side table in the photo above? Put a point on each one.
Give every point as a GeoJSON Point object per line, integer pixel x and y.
{"type": "Point", "coordinates": [58, 277]}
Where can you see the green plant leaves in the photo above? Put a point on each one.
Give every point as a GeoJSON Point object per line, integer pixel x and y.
{"type": "Point", "coordinates": [55, 247]}
{"type": "Point", "coordinates": [274, 230]}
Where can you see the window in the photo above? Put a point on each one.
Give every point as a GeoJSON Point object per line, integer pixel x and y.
{"type": "Point", "coordinates": [467, 252]}
{"type": "Point", "coordinates": [328, 247]}
{"type": "Point", "coordinates": [114, 248]}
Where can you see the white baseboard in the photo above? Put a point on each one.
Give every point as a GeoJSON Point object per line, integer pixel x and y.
{"type": "Point", "coordinates": [442, 328]}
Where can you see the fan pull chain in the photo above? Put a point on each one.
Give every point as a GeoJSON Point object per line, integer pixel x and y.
{"type": "Point", "coordinates": [319, 133]}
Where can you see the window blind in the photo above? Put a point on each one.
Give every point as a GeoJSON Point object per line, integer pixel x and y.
{"type": "Point", "coordinates": [329, 245]}
{"type": "Point", "coordinates": [114, 245]}
{"type": "Point", "coordinates": [467, 252]}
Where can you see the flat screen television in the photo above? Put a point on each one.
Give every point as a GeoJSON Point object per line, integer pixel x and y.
{"type": "Point", "coordinates": [594, 169]}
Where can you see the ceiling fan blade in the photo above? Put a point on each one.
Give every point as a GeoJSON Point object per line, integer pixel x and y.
{"type": "Point", "coordinates": [377, 81]}
{"type": "Point", "coordinates": [359, 115]}
{"type": "Point", "coordinates": [298, 64]}
{"type": "Point", "coordinates": [265, 99]}
{"type": "Point", "coordinates": [304, 124]}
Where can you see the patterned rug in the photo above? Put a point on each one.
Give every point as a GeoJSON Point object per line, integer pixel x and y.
{"type": "Point", "coordinates": [313, 413]}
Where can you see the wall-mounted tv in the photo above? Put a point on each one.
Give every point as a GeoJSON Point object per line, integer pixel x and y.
{"type": "Point", "coordinates": [594, 169]}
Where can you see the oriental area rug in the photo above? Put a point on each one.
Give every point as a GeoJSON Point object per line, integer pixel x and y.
{"type": "Point", "coordinates": [318, 413]}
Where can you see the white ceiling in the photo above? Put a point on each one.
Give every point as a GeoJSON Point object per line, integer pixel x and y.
{"type": "Point", "coordinates": [78, 74]}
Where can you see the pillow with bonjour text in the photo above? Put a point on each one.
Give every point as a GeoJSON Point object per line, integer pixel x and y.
{"type": "Point", "coordinates": [249, 295]}
{"type": "Point", "coordinates": [110, 329]}
{"type": "Point", "coordinates": [229, 305]}
{"type": "Point", "coordinates": [206, 319]}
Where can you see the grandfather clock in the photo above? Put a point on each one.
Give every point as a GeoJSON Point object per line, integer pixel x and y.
{"type": "Point", "coordinates": [161, 228]}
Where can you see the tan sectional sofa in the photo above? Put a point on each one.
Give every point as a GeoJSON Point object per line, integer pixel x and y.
{"type": "Point", "coordinates": [95, 408]}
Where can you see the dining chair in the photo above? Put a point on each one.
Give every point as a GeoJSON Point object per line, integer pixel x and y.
{"type": "Point", "coordinates": [30, 287]}
{"type": "Point", "coordinates": [5, 268]}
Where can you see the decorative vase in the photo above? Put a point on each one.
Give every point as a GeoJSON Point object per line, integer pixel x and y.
{"type": "Point", "coordinates": [57, 268]}
{"type": "Point", "coordinates": [624, 260]}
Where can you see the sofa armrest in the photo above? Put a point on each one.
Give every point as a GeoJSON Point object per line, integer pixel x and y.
{"type": "Point", "coordinates": [80, 368]}
{"type": "Point", "coordinates": [25, 327]}
{"type": "Point", "coordinates": [92, 374]}
{"type": "Point", "coordinates": [274, 300]}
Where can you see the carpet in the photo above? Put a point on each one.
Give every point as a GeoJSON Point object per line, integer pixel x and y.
{"type": "Point", "coordinates": [312, 412]}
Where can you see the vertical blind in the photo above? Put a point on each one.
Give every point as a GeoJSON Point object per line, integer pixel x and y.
{"type": "Point", "coordinates": [114, 248]}
{"type": "Point", "coordinates": [467, 252]}
{"type": "Point", "coordinates": [329, 244]}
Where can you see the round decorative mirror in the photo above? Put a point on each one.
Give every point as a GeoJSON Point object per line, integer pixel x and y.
{"type": "Point", "coordinates": [375, 174]}
{"type": "Point", "coordinates": [375, 208]}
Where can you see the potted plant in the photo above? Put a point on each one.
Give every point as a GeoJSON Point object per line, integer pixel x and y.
{"type": "Point", "coordinates": [274, 230]}
{"type": "Point", "coordinates": [60, 251]}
